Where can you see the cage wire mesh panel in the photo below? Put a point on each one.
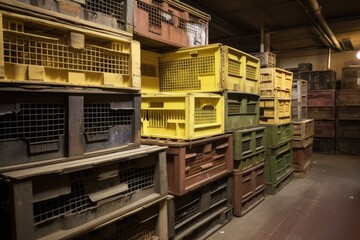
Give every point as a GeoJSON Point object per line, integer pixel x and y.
{"type": "Point", "coordinates": [210, 68]}
{"type": "Point", "coordinates": [112, 15]}
{"type": "Point", "coordinates": [170, 22]}
{"type": "Point", "coordinates": [182, 116]}
{"type": "Point", "coordinates": [70, 203]}
{"type": "Point", "coordinates": [146, 223]}
{"type": "Point", "coordinates": [45, 52]}
{"type": "Point", "coordinates": [38, 128]}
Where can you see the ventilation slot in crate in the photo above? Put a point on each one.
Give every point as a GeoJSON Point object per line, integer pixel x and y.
{"type": "Point", "coordinates": [251, 72]}
{"type": "Point", "coordinates": [188, 210]}
{"type": "Point", "coordinates": [40, 125]}
{"type": "Point", "coordinates": [234, 67]}
{"type": "Point", "coordinates": [181, 75]}
{"type": "Point", "coordinates": [205, 115]}
{"type": "Point", "coordinates": [100, 117]}
{"type": "Point", "coordinates": [218, 194]}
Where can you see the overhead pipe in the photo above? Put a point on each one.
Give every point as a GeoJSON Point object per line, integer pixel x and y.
{"type": "Point", "coordinates": [317, 11]}
{"type": "Point", "coordinates": [320, 24]}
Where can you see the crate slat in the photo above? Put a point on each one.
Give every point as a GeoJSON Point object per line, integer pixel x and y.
{"type": "Point", "coordinates": [249, 188]}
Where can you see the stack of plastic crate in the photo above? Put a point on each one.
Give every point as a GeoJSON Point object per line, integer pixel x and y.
{"type": "Point", "coordinates": [303, 129]}
{"type": "Point", "coordinates": [321, 108]}
{"type": "Point", "coordinates": [200, 96]}
{"type": "Point", "coordinates": [71, 159]}
{"type": "Point", "coordinates": [275, 115]}
{"type": "Point", "coordinates": [348, 112]}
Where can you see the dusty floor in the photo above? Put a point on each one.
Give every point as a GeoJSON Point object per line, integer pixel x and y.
{"type": "Point", "coordinates": [325, 205]}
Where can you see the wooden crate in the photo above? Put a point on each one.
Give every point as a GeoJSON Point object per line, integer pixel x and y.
{"type": "Point", "coordinates": [275, 82]}
{"type": "Point", "coordinates": [267, 59]}
{"type": "Point", "coordinates": [160, 24]}
{"type": "Point", "coordinates": [324, 145]}
{"type": "Point", "coordinates": [348, 146]}
{"type": "Point", "coordinates": [147, 222]}
{"type": "Point", "coordinates": [348, 112]}
{"type": "Point", "coordinates": [299, 92]}
{"type": "Point", "coordinates": [318, 80]}
{"type": "Point", "coordinates": [348, 97]}
{"type": "Point", "coordinates": [321, 113]}
{"type": "Point", "coordinates": [302, 158]}
{"type": "Point", "coordinates": [45, 127]}
{"type": "Point", "coordinates": [113, 16]}
{"type": "Point", "coordinates": [67, 199]}
{"type": "Point", "coordinates": [66, 55]}
{"type": "Point", "coordinates": [302, 129]}
{"type": "Point", "coordinates": [193, 164]}
{"type": "Point", "coordinates": [275, 110]}
{"type": "Point", "coordinates": [248, 142]}
{"type": "Point", "coordinates": [350, 78]}
{"type": "Point", "coordinates": [321, 98]}
{"type": "Point", "coordinates": [305, 66]}
{"type": "Point", "coordinates": [249, 188]}
{"type": "Point", "coordinates": [298, 113]}
{"type": "Point", "coordinates": [200, 213]}
{"type": "Point", "coordinates": [241, 110]}
{"type": "Point", "coordinates": [348, 128]}
{"type": "Point", "coordinates": [276, 135]}
{"type": "Point", "coordinates": [324, 128]}
{"type": "Point", "coordinates": [303, 143]}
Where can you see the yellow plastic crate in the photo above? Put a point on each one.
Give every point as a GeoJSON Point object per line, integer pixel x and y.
{"type": "Point", "coordinates": [39, 51]}
{"type": "Point", "coordinates": [275, 82]}
{"type": "Point", "coordinates": [149, 71]}
{"type": "Point", "coordinates": [183, 116]}
{"type": "Point", "coordinates": [209, 68]}
{"type": "Point", "coordinates": [275, 110]}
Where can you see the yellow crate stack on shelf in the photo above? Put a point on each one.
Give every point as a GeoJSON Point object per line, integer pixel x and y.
{"type": "Point", "coordinates": [275, 95]}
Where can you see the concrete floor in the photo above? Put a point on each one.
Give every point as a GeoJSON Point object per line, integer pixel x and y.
{"type": "Point", "coordinates": [325, 205]}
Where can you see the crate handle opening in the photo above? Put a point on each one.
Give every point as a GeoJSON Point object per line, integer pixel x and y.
{"type": "Point", "coordinates": [193, 54]}
{"type": "Point", "coordinates": [156, 104]}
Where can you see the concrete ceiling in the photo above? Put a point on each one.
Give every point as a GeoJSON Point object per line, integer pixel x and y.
{"type": "Point", "coordinates": [293, 26]}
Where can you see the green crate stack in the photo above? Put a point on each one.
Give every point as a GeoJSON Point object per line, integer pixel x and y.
{"type": "Point", "coordinates": [275, 116]}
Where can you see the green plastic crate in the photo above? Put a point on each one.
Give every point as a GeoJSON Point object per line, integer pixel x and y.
{"type": "Point", "coordinates": [248, 142]}
{"type": "Point", "coordinates": [241, 110]}
{"type": "Point", "coordinates": [277, 166]}
{"type": "Point", "coordinates": [249, 161]}
{"type": "Point", "coordinates": [277, 134]}
{"type": "Point", "coordinates": [283, 147]}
